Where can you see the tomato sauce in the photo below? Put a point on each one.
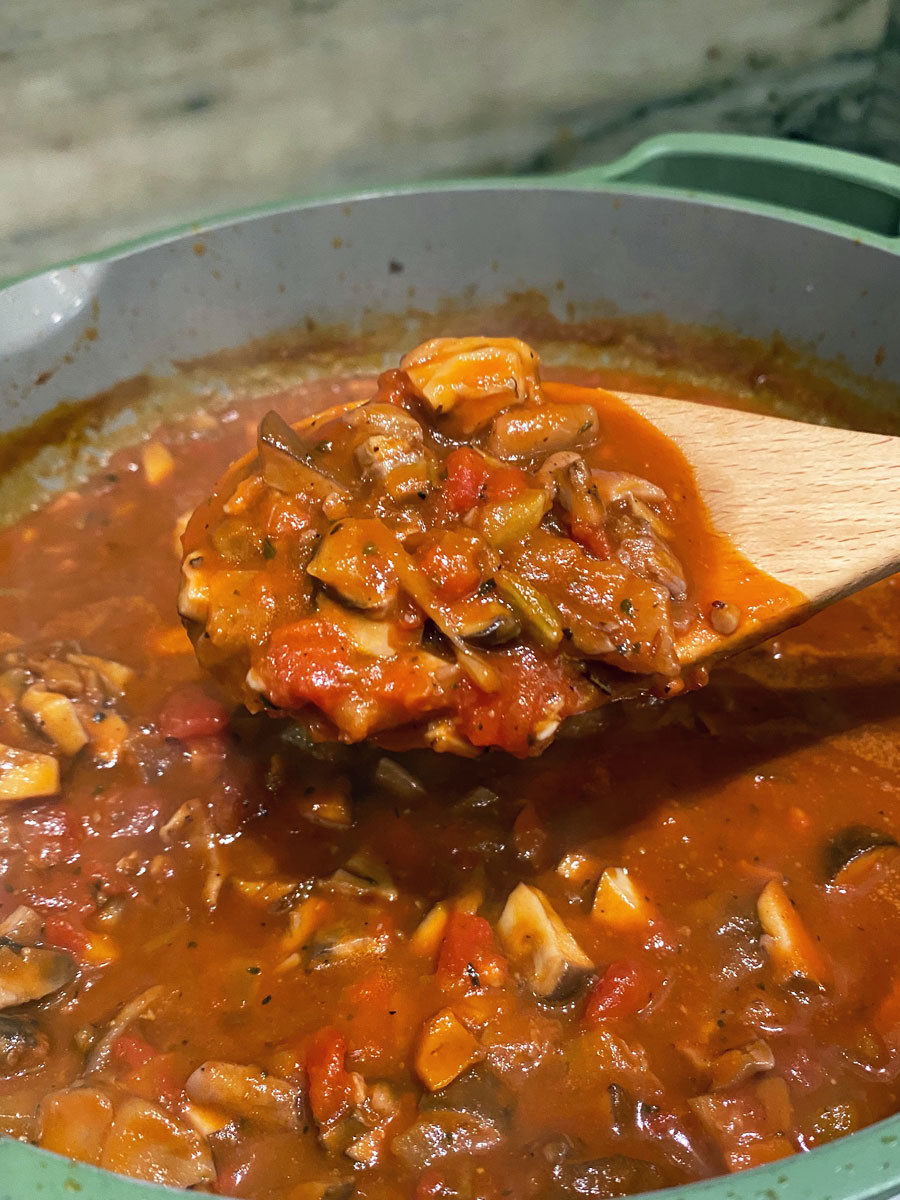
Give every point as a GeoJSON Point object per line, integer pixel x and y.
{"type": "Point", "coordinates": [292, 971]}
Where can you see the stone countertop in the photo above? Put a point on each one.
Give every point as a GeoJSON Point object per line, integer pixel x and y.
{"type": "Point", "coordinates": [118, 117]}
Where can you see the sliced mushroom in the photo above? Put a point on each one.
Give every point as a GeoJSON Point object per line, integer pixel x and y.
{"type": "Point", "coordinates": [146, 1143]}
{"type": "Point", "coordinates": [445, 1050]}
{"type": "Point", "coordinates": [114, 676]}
{"type": "Point", "coordinates": [26, 775]}
{"type": "Point", "coordinates": [436, 1135]}
{"type": "Point", "coordinates": [850, 851]}
{"type": "Point", "coordinates": [138, 1006]}
{"type": "Point", "coordinates": [371, 636]}
{"type": "Point", "coordinates": [396, 780]}
{"type": "Point", "coordinates": [512, 520]}
{"type": "Point", "coordinates": [485, 621]}
{"type": "Point", "coordinates": [31, 972]}
{"type": "Point", "coordinates": [75, 1121]}
{"type": "Point", "coordinates": [390, 419]}
{"type": "Point", "coordinates": [341, 943]}
{"type": "Point", "coordinates": [22, 1045]}
{"type": "Point", "coordinates": [545, 428]}
{"type": "Point", "coordinates": [248, 1091]}
{"type": "Point", "coordinates": [537, 614]}
{"type": "Point", "coordinates": [577, 494]}
{"type": "Point", "coordinates": [614, 1175]}
{"type": "Point", "coordinates": [619, 485]}
{"type": "Point", "coordinates": [445, 371]}
{"type": "Point", "coordinates": [193, 595]}
{"type": "Point", "coordinates": [22, 925]}
{"type": "Point", "coordinates": [350, 565]}
{"type": "Point", "coordinates": [620, 903]}
{"type": "Point", "coordinates": [285, 463]}
{"type": "Point", "coordinates": [736, 1066]}
{"type": "Point", "coordinates": [540, 947]}
{"type": "Point", "coordinates": [790, 947]}
{"type": "Point", "coordinates": [479, 1093]}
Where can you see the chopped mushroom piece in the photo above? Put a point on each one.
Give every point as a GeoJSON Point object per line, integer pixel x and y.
{"type": "Point", "coordinates": [740, 1064]}
{"type": "Point", "coordinates": [146, 1143]}
{"type": "Point", "coordinates": [31, 972]}
{"type": "Point", "coordinates": [108, 737]}
{"type": "Point", "coordinates": [26, 775]}
{"type": "Point", "coordinates": [438, 1135]}
{"type": "Point", "coordinates": [426, 938]}
{"type": "Point", "coordinates": [540, 946]}
{"type": "Point", "coordinates": [76, 1122]}
{"type": "Point", "coordinates": [454, 556]}
{"type": "Point", "coordinates": [266, 892]}
{"type": "Point", "coordinates": [619, 903]}
{"type": "Point", "coordinates": [788, 943]}
{"type": "Point", "coordinates": [614, 1175]}
{"type": "Point", "coordinates": [395, 779]}
{"type": "Point", "coordinates": [247, 1091]}
{"type": "Point", "coordinates": [114, 676]}
{"type": "Point", "coordinates": [138, 1006]}
{"type": "Point", "coordinates": [751, 1124]}
{"type": "Point", "coordinates": [349, 564]}
{"type": "Point", "coordinates": [445, 1050]}
{"type": "Point", "coordinates": [286, 465]}
{"type": "Point", "coordinates": [363, 874]}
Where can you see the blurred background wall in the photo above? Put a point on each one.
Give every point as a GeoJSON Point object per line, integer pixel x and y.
{"type": "Point", "coordinates": [121, 116]}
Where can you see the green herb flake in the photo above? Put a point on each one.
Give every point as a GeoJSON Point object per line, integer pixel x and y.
{"type": "Point", "coordinates": [487, 587]}
{"type": "Point", "coordinates": [370, 548]}
{"type": "Point", "coordinates": [268, 549]}
{"type": "Point", "coordinates": [626, 607]}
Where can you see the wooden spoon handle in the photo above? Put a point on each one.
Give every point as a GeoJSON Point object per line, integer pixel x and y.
{"type": "Point", "coordinates": [815, 507]}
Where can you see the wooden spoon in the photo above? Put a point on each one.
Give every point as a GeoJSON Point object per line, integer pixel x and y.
{"type": "Point", "coordinates": [816, 509]}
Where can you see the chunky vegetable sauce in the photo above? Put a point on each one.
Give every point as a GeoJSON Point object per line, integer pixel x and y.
{"type": "Point", "coordinates": [236, 960]}
{"type": "Point", "coordinates": [462, 552]}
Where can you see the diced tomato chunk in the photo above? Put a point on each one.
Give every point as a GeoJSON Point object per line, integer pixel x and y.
{"type": "Point", "coordinates": [593, 539]}
{"type": "Point", "coordinates": [131, 1051]}
{"type": "Point", "coordinates": [329, 1080]}
{"type": "Point", "coordinates": [469, 954]}
{"type": "Point", "coordinates": [467, 474]}
{"type": "Point", "coordinates": [64, 935]}
{"type": "Point", "coordinates": [189, 712]}
{"type": "Point", "coordinates": [621, 991]}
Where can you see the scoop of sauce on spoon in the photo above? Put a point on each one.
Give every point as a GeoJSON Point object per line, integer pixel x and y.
{"type": "Point", "coordinates": [473, 555]}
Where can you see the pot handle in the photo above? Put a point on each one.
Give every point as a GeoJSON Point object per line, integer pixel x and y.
{"type": "Point", "coordinates": [804, 180]}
